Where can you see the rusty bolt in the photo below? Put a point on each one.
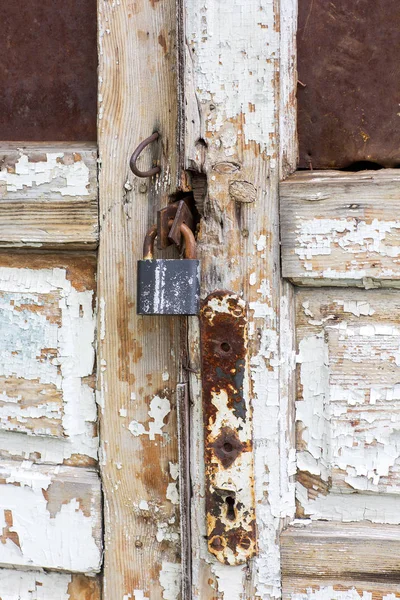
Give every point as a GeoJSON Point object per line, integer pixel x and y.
{"type": "Point", "coordinates": [245, 543]}
{"type": "Point", "coordinates": [217, 543]}
{"type": "Point", "coordinates": [138, 544]}
{"type": "Point", "coordinates": [143, 188]}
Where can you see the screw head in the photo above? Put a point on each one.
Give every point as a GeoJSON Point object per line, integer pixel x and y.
{"type": "Point", "coordinates": [217, 543]}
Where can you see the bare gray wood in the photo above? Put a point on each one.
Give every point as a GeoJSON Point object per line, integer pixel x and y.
{"type": "Point", "coordinates": [48, 195]}
{"type": "Point", "coordinates": [341, 550]}
{"type": "Point", "coordinates": [339, 227]}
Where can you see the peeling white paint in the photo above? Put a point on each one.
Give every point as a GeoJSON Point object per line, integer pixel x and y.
{"type": "Point", "coordinates": [74, 174]}
{"type": "Point", "coordinates": [139, 595]}
{"type": "Point", "coordinates": [64, 541]}
{"type": "Point", "coordinates": [230, 581]}
{"type": "Point", "coordinates": [33, 585]}
{"type": "Point", "coordinates": [159, 409]}
{"type": "Point", "coordinates": [328, 592]}
{"type": "Point", "coordinates": [170, 580]}
{"type": "Point", "coordinates": [348, 413]}
{"type": "Point", "coordinates": [232, 75]}
{"type": "Point", "coordinates": [27, 334]}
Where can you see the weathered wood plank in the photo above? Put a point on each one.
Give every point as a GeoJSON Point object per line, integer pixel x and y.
{"type": "Point", "coordinates": [295, 588]}
{"type": "Point", "coordinates": [348, 404]}
{"type": "Point", "coordinates": [137, 355]}
{"type": "Point", "coordinates": [36, 585]}
{"type": "Point", "coordinates": [48, 195]}
{"type": "Point", "coordinates": [338, 227]}
{"type": "Point", "coordinates": [50, 517]}
{"type": "Point", "coordinates": [338, 550]}
{"type": "Point", "coordinates": [47, 357]}
{"type": "Point", "coordinates": [232, 103]}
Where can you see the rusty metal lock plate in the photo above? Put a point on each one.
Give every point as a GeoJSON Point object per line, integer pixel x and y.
{"type": "Point", "coordinates": [228, 447]}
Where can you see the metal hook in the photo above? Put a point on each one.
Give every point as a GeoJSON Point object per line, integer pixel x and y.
{"type": "Point", "coordinates": [135, 156]}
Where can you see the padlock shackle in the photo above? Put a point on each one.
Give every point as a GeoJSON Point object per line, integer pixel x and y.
{"type": "Point", "coordinates": [148, 244]}
{"type": "Point", "coordinates": [190, 242]}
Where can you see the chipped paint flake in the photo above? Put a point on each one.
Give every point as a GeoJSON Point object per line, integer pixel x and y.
{"type": "Point", "coordinates": [159, 409]}
{"type": "Point", "coordinates": [170, 580]}
{"type": "Point", "coordinates": [33, 585]}
{"type": "Point", "coordinates": [328, 592]}
{"type": "Point", "coordinates": [27, 174]}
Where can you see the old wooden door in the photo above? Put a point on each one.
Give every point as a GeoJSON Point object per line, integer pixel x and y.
{"type": "Point", "coordinates": [218, 81]}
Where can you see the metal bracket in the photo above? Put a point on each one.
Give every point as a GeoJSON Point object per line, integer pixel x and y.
{"type": "Point", "coordinates": [168, 234]}
{"type": "Point", "coordinates": [228, 448]}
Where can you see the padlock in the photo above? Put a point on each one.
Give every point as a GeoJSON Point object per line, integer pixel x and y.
{"type": "Point", "coordinates": [168, 286]}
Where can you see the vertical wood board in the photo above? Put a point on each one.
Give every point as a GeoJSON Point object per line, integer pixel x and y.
{"type": "Point", "coordinates": [137, 355]}
{"type": "Point", "coordinates": [232, 107]}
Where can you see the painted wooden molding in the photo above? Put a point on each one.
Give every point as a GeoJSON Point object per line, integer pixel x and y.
{"type": "Point", "coordinates": [48, 195]}
{"type": "Point", "coordinates": [339, 227]}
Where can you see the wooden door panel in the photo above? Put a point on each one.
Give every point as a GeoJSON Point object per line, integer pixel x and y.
{"type": "Point", "coordinates": [47, 356]}
{"type": "Point", "coordinates": [339, 227]}
{"type": "Point", "coordinates": [47, 586]}
{"type": "Point", "coordinates": [348, 404]}
{"type": "Point", "coordinates": [338, 589]}
{"type": "Point", "coordinates": [50, 517]}
{"type": "Point", "coordinates": [341, 550]}
{"type": "Point", "coordinates": [48, 195]}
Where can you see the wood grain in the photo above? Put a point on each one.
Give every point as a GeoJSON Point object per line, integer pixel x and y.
{"type": "Point", "coordinates": [341, 550]}
{"type": "Point", "coordinates": [48, 195]}
{"type": "Point", "coordinates": [339, 227]}
{"type": "Point", "coordinates": [137, 355]}
{"type": "Point", "coordinates": [298, 588]}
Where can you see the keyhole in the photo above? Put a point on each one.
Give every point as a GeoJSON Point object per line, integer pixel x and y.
{"type": "Point", "coordinates": [230, 509]}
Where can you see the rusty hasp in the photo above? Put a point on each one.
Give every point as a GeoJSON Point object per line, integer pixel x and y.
{"type": "Point", "coordinates": [170, 232]}
{"type": "Point", "coordinates": [230, 508]}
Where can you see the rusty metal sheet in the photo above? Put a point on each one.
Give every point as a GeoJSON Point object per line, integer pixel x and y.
{"type": "Point", "coordinates": [48, 70]}
{"type": "Point", "coordinates": [227, 429]}
{"type": "Point", "coordinates": [349, 83]}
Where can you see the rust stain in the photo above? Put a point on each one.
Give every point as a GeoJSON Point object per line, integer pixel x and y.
{"type": "Point", "coordinates": [84, 588]}
{"type": "Point", "coordinates": [126, 344]}
{"type": "Point", "coordinates": [163, 42]}
{"type": "Point", "coordinates": [7, 533]}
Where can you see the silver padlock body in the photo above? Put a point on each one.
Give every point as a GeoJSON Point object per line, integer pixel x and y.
{"type": "Point", "coordinates": [168, 287]}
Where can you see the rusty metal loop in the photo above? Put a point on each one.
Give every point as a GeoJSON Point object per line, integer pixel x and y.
{"type": "Point", "coordinates": [135, 156]}
{"type": "Point", "coordinates": [148, 244]}
{"type": "Point", "coordinates": [190, 242]}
